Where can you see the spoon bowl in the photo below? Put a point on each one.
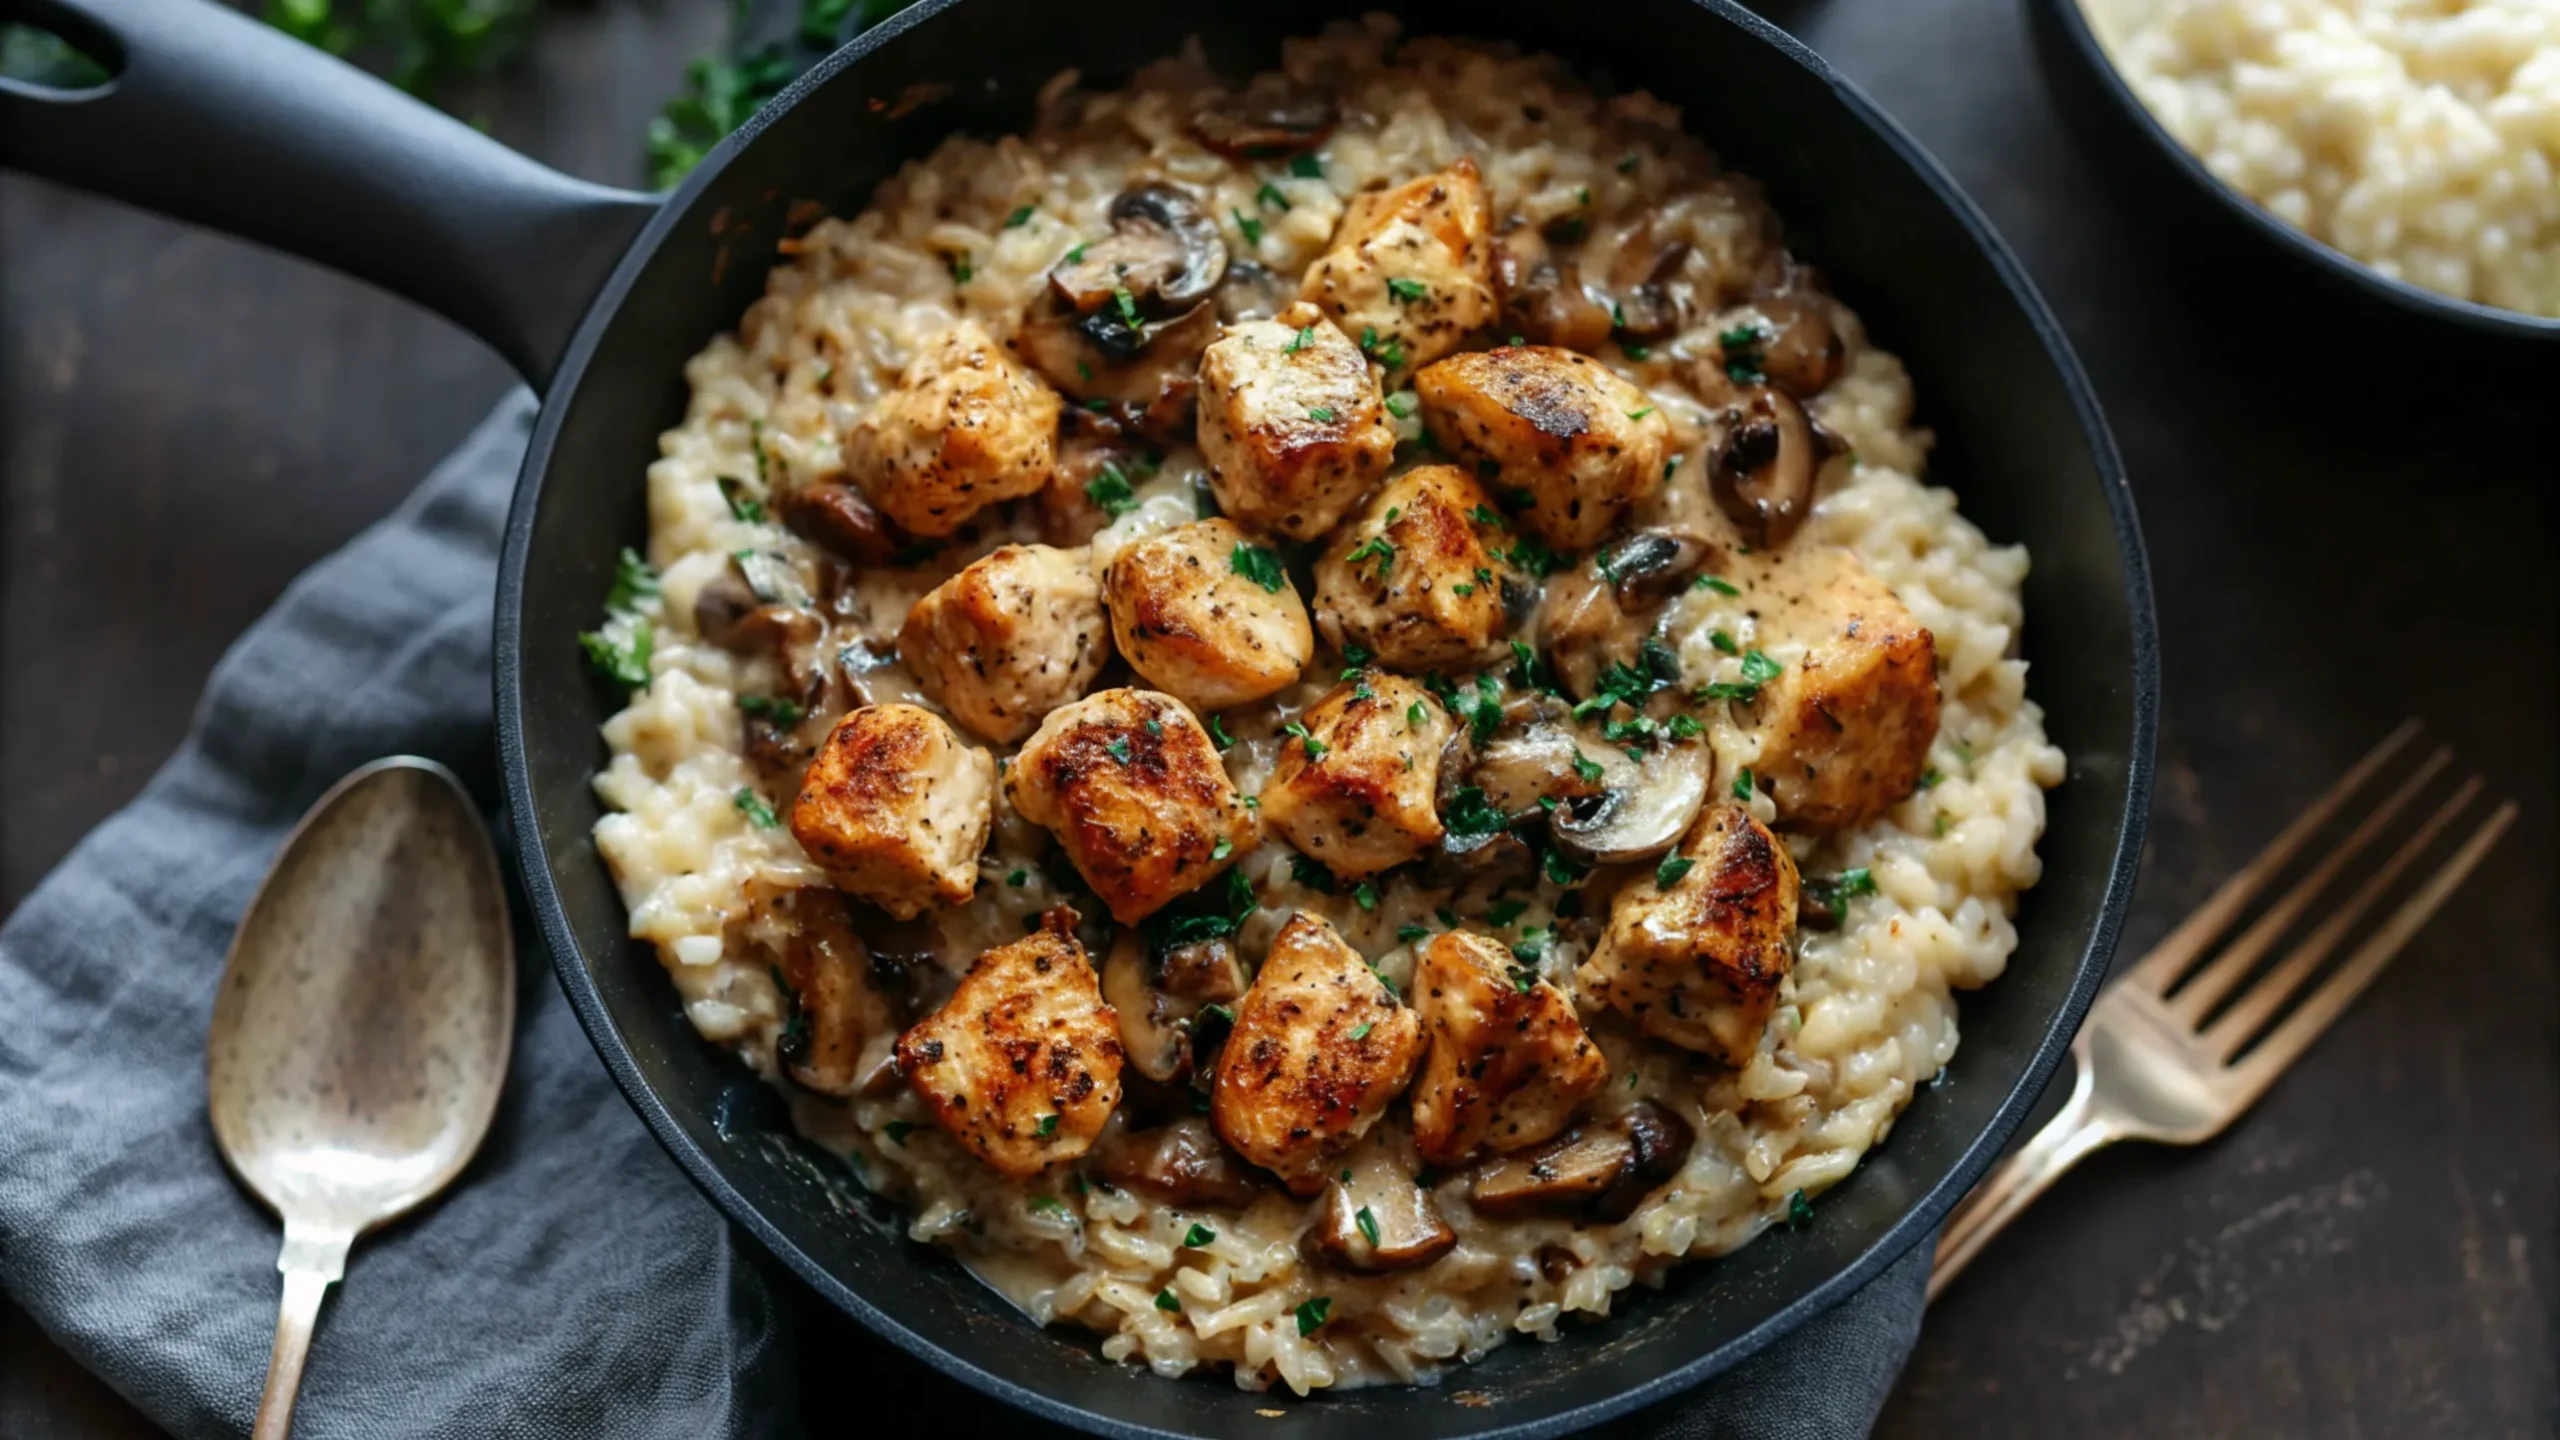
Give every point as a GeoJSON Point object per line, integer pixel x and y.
{"type": "Point", "coordinates": [361, 1032]}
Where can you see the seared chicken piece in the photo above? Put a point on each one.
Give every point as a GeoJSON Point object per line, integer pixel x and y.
{"type": "Point", "coordinates": [1508, 1062]}
{"type": "Point", "coordinates": [1135, 792]}
{"type": "Point", "coordinates": [1413, 264]}
{"type": "Point", "coordinates": [1700, 964]}
{"type": "Point", "coordinates": [1320, 1047]}
{"type": "Point", "coordinates": [1561, 430]}
{"type": "Point", "coordinates": [1014, 636]}
{"type": "Point", "coordinates": [1291, 422]}
{"type": "Point", "coordinates": [1022, 1063]}
{"type": "Point", "coordinates": [1357, 790]}
{"type": "Point", "coordinates": [967, 427]}
{"type": "Point", "coordinates": [1844, 729]}
{"type": "Point", "coordinates": [1418, 579]}
{"type": "Point", "coordinates": [837, 1028]}
{"type": "Point", "coordinates": [1193, 623]}
{"type": "Point", "coordinates": [896, 808]}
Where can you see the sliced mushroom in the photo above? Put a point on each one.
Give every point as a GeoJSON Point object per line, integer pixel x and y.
{"type": "Point", "coordinates": [1800, 350]}
{"type": "Point", "coordinates": [1601, 1170]}
{"type": "Point", "coordinates": [1601, 613]}
{"type": "Point", "coordinates": [1640, 277]}
{"type": "Point", "coordinates": [838, 1032]}
{"type": "Point", "coordinates": [1542, 298]}
{"type": "Point", "coordinates": [1163, 251]}
{"type": "Point", "coordinates": [1646, 808]}
{"type": "Point", "coordinates": [834, 515]}
{"type": "Point", "coordinates": [1252, 292]}
{"type": "Point", "coordinates": [1267, 119]}
{"type": "Point", "coordinates": [1378, 1220]}
{"type": "Point", "coordinates": [1159, 998]}
{"type": "Point", "coordinates": [1763, 467]}
{"type": "Point", "coordinates": [1183, 1163]}
{"type": "Point", "coordinates": [1124, 318]}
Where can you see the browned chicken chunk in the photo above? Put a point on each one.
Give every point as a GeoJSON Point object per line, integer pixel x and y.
{"type": "Point", "coordinates": [1561, 432]}
{"type": "Point", "coordinates": [1014, 636]}
{"type": "Point", "coordinates": [1136, 794]}
{"type": "Point", "coordinates": [1319, 1049]}
{"type": "Point", "coordinates": [1190, 620]}
{"type": "Point", "coordinates": [1700, 964]}
{"type": "Point", "coordinates": [1357, 790]}
{"type": "Point", "coordinates": [896, 808]}
{"type": "Point", "coordinates": [1508, 1061]}
{"type": "Point", "coordinates": [1418, 579]}
{"type": "Point", "coordinates": [967, 427]}
{"type": "Point", "coordinates": [1845, 728]}
{"type": "Point", "coordinates": [1291, 422]}
{"type": "Point", "coordinates": [1022, 1063]}
{"type": "Point", "coordinates": [1412, 266]}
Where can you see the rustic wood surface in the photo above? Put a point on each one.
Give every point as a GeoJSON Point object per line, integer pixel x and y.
{"type": "Point", "coordinates": [2343, 535]}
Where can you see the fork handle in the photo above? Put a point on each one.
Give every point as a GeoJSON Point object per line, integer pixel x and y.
{"type": "Point", "coordinates": [2074, 1131]}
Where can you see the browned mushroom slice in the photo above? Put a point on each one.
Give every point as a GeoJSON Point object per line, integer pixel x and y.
{"type": "Point", "coordinates": [1163, 251]}
{"type": "Point", "coordinates": [1267, 119]}
{"type": "Point", "coordinates": [1252, 292]}
{"type": "Point", "coordinates": [1767, 457]}
{"type": "Point", "coordinates": [1800, 350]}
{"type": "Point", "coordinates": [1124, 318]}
{"type": "Point", "coordinates": [834, 515]}
{"type": "Point", "coordinates": [1648, 307]}
{"type": "Point", "coordinates": [1542, 297]}
{"type": "Point", "coordinates": [1183, 1163]}
{"type": "Point", "coordinates": [1601, 1170]}
{"type": "Point", "coordinates": [1645, 808]}
{"type": "Point", "coordinates": [1378, 1220]}
{"type": "Point", "coordinates": [837, 1031]}
{"type": "Point", "coordinates": [1600, 613]}
{"type": "Point", "coordinates": [1159, 998]}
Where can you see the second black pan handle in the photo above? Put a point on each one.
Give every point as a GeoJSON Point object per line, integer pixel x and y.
{"type": "Point", "coordinates": [214, 118]}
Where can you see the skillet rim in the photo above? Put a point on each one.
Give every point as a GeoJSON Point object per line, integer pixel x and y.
{"type": "Point", "coordinates": [1920, 1219]}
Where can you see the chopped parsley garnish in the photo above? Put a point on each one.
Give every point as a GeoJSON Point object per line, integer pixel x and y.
{"type": "Point", "coordinates": [1305, 337]}
{"type": "Point", "coordinates": [1018, 879]}
{"type": "Point", "coordinates": [1322, 414]}
{"type": "Point", "coordinates": [1111, 491]}
{"type": "Point", "coordinates": [961, 269]}
{"type": "Point", "coordinates": [1224, 848]}
{"type": "Point", "coordinates": [1757, 670]}
{"type": "Point", "coordinates": [1075, 255]}
{"type": "Point", "coordinates": [1743, 784]}
{"type": "Point", "coordinates": [1271, 195]}
{"type": "Point", "coordinates": [1315, 747]}
{"type": "Point", "coordinates": [1311, 1315]}
{"type": "Point", "coordinates": [1723, 641]}
{"type": "Point", "coordinates": [1368, 1224]}
{"type": "Point", "coordinates": [1530, 948]}
{"type": "Point", "coordinates": [1362, 1033]}
{"type": "Point", "coordinates": [1415, 715]}
{"type": "Point", "coordinates": [1642, 352]}
{"type": "Point", "coordinates": [1560, 870]}
{"type": "Point", "coordinates": [1835, 893]}
{"type": "Point", "coordinates": [1247, 226]}
{"type": "Point", "coordinates": [1400, 405]}
{"type": "Point", "coordinates": [741, 504]}
{"type": "Point", "coordinates": [1307, 167]}
{"type": "Point", "coordinates": [1532, 555]}
{"type": "Point", "coordinates": [1118, 748]}
{"type": "Point", "coordinates": [633, 582]}
{"type": "Point", "coordinates": [1220, 1013]}
{"type": "Point", "coordinates": [1390, 987]}
{"type": "Point", "coordinates": [1587, 768]}
{"type": "Point", "coordinates": [1128, 304]}
{"type": "Point", "coordinates": [752, 805]}
{"type": "Point", "coordinates": [1218, 732]}
{"type": "Point", "coordinates": [767, 707]}
{"type": "Point", "coordinates": [899, 1130]}
{"type": "Point", "coordinates": [1308, 871]}
{"type": "Point", "coordinates": [1155, 727]}
{"type": "Point", "coordinates": [1377, 547]}
{"type": "Point", "coordinates": [1743, 362]}
{"type": "Point", "coordinates": [1047, 1127]}
{"type": "Point", "coordinates": [1685, 727]}
{"type": "Point", "coordinates": [1930, 777]}
{"type": "Point", "coordinates": [1484, 514]}
{"type": "Point", "coordinates": [1165, 1300]}
{"type": "Point", "coordinates": [1470, 815]}
{"type": "Point", "coordinates": [1407, 934]}
{"type": "Point", "coordinates": [1407, 291]}
{"type": "Point", "coordinates": [1197, 1236]}
{"type": "Point", "coordinates": [1503, 912]}
{"type": "Point", "coordinates": [1018, 218]}
{"type": "Point", "coordinates": [1389, 353]}
{"type": "Point", "coordinates": [1628, 165]}
{"type": "Point", "coordinates": [1710, 582]}
{"type": "Point", "coordinates": [1799, 1210]}
{"type": "Point", "coordinates": [1639, 414]}
{"type": "Point", "coordinates": [1366, 894]}
{"type": "Point", "coordinates": [1668, 873]}
{"type": "Point", "coordinates": [1258, 565]}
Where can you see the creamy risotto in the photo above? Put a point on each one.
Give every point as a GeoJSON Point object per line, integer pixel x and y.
{"type": "Point", "coordinates": [1324, 719]}
{"type": "Point", "coordinates": [2418, 136]}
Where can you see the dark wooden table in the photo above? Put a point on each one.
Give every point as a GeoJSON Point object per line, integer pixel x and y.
{"type": "Point", "coordinates": [2343, 535]}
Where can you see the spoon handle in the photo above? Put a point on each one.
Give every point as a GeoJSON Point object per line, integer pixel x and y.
{"type": "Point", "coordinates": [311, 1259]}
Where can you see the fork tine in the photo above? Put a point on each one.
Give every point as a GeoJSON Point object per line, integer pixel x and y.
{"type": "Point", "coordinates": [2178, 950]}
{"type": "Point", "coordinates": [2235, 1026]}
{"type": "Point", "coordinates": [2222, 974]}
{"type": "Point", "coordinates": [2331, 998]}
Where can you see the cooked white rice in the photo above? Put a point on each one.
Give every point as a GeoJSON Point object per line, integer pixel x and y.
{"type": "Point", "coordinates": [1873, 1012]}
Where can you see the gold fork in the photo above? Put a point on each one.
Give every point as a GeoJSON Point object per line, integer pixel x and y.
{"type": "Point", "coordinates": [2174, 1051]}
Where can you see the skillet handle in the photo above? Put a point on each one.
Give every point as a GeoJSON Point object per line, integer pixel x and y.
{"type": "Point", "coordinates": [214, 118]}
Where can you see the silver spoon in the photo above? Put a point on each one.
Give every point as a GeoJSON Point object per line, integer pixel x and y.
{"type": "Point", "coordinates": [360, 1036]}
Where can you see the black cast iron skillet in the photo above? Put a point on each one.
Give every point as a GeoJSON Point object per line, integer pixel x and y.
{"type": "Point", "coordinates": [212, 119]}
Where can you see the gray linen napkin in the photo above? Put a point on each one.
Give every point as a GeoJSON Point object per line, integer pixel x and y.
{"type": "Point", "coordinates": [573, 1283]}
